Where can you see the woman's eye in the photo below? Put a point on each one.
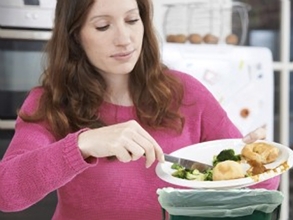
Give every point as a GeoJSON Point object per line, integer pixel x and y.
{"type": "Point", "coordinates": [104, 28]}
{"type": "Point", "coordinates": [133, 21]}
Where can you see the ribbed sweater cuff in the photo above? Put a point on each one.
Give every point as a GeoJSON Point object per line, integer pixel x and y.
{"type": "Point", "coordinates": [72, 154]}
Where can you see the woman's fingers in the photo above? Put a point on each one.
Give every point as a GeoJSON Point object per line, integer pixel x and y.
{"type": "Point", "coordinates": [127, 141]}
{"type": "Point", "coordinates": [257, 134]}
{"type": "Point", "coordinates": [123, 155]}
{"type": "Point", "coordinates": [146, 146]}
{"type": "Point", "coordinates": [151, 148]}
{"type": "Point", "coordinates": [153, 145]}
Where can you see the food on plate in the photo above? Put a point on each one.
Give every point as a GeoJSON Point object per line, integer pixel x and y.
{"type": "Point", "coordinates": [195, 39]}
{"type": "Point", "coordinates": [226, 154]}
{"type": "Point", "coordinates": [260, 152]}
{"type": "Point", "coordinates": [228, 170]}
{"type": "Point", "coordinates": [255, 168]}
{"type": "Point", "coordinates": [228, 165]}
{"type": "Point", "coordinates": [183, 173]}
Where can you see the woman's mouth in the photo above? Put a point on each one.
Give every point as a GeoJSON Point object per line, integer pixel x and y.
{"type": "Point", "coordinates": [123, 55]}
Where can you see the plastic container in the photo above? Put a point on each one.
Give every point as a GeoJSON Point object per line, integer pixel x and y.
{"type": "Point", "coordinates": [236, 204]}
{"type": "Point", "coordinates": [257, 215]}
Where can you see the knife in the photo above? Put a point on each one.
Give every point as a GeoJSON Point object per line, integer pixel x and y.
{"type": "Point", "coordinates": [188, 164]}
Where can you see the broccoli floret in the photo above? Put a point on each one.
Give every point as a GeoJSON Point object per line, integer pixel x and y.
{"type": "Point", "coordinates": [227, 154]}
{"type": "Point", "coordinates": [176, 166]}
{"type": "Point", "coordinates": [195, 175]}
{"type": "Point", "coordinates": [180, 173]}
{"type": "Point", "coordinates": [208, 175]}
{"type": "Point", "coordinates": [190, 176]}
{"type": "Point", "coordinates": [195, 172]}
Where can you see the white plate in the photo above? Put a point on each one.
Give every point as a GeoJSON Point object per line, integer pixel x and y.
{"type": "Point", "coordinates": [204, 152]}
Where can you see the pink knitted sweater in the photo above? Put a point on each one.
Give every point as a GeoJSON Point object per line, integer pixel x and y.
{"type": "Point", "coordinates": [36, 164]}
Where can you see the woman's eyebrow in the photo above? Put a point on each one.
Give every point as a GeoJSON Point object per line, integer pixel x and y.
{"type": "Point", "coordinates": [103, 16]}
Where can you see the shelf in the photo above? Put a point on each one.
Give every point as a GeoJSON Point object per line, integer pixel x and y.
{"type": "Point", "coordinates": [7, 124]}
{"type": "Point", "coordinates": [25, 34]}
{"type": "Point", "coordinates": [278, 66]}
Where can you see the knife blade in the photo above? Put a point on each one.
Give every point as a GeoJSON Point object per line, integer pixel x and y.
{"type": "Point", "coordinates": [188, 164]}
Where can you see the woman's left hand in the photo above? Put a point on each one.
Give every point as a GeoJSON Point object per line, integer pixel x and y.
{"type": "Point", "coordinates": [257, 134]}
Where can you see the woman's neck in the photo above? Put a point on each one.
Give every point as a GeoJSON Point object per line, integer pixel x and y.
{"type": "Point", "coordinates": [121, 98]}
{"type": "Point", "coordinates": [118, 91]}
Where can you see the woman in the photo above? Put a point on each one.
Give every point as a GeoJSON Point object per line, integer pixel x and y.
{"type": "Point", "coordinates": [106, 110]}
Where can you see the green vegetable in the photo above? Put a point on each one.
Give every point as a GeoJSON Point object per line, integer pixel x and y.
{"type": "Point", "coordinates": [198, 175]}
{"type": "Point", "coordinates": [208, 175]}
{"type": "Point", "coordinates": [176, 166]}
{"type": "Point", "coordinates": [189, 174]}
{"type": "Point", "coordinates": [184, 173]}
{"type": "Point", "coordinates": [227, 154]}
{"type": "Point", "coordinates": [195, 172]}
{"type": "Point", "coordinates": [180, 173]}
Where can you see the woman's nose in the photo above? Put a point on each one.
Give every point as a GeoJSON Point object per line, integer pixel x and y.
{"type": "Point", "coordinates": [122, 36]}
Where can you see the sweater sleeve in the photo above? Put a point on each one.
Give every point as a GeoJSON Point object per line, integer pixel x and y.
{"type": "Point", "coordinates": [35, 164]}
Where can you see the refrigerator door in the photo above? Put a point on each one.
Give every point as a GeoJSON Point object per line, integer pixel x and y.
{"type": "Point", "coordinates": [240, 78]}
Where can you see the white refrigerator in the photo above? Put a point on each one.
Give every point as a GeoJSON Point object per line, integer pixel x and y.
{"type": "Point", "coordinates": [240, 78]}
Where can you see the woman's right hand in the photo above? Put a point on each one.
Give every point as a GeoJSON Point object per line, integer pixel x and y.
{"type": "Point", "coordinates": [257, 134]}
{"type": "Point", "coordinates": [127, 141]}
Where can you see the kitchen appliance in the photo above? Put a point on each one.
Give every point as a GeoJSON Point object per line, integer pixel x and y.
{"type": "Point", "coordinates": [25, 27]}
{"type": "Point", "coordinates": [240, 78]}
{"type": "Point", "coordinates": [27, 14]}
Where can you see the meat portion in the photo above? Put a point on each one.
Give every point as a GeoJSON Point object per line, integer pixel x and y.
{"type": "Point", "coordinates": [255, 168]}
{"type": "Point", "coordinates": [260, 152]}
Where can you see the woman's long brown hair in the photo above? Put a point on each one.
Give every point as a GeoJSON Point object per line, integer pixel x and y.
{"type": "Point", "coordinates": [74, 89]}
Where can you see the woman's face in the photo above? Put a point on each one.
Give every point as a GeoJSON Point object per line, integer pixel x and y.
{"type": "Point", "coordinates": [112, 36]}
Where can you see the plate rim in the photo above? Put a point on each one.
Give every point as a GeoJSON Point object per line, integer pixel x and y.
{"type": "Point", "coordinates": [235, 183]}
